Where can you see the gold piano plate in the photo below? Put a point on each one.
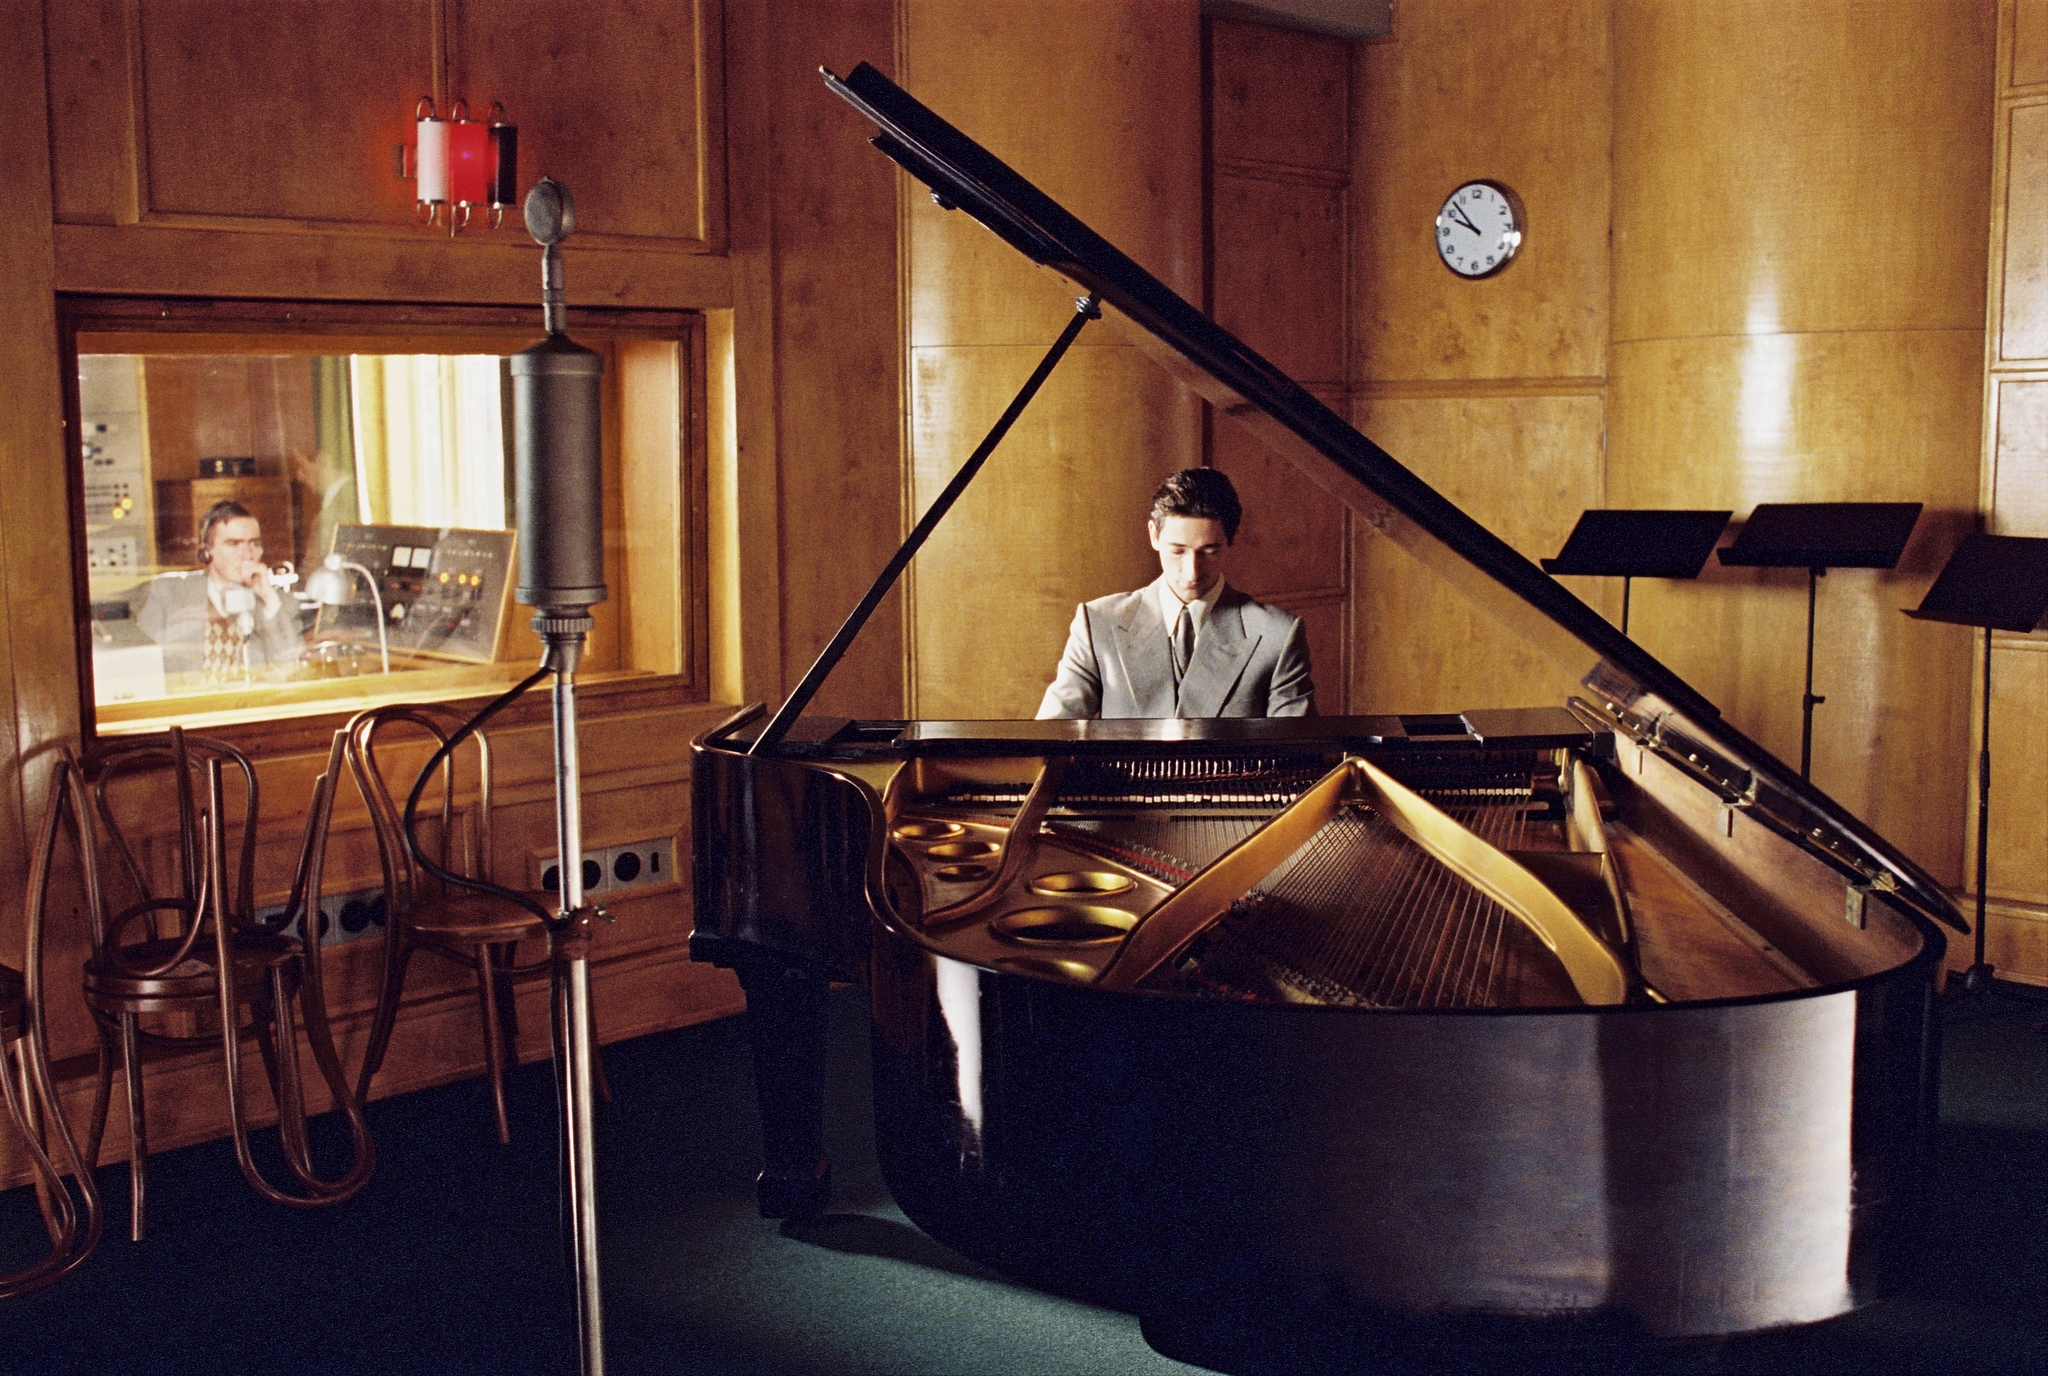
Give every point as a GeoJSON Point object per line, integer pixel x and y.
{"type": "Point", "coordinates": [927, 831]}
{"type": "Point", "coordinates": [1080, 884]}
{"type": "Point", "coordinates": [1073, 924]}
{"type": "Point", "coordinates": [962, 874]}
{"type": "Point", "coordinates": [962, 850]}
{"type": "Point", "coordinates": [1046, 967]}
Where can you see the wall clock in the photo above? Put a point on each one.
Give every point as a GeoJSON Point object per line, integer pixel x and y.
{"type": "Point", "coordinates": [1479, 230]}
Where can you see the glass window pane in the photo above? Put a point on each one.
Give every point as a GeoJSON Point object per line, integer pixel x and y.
{"type": "Point", "coordinates": [217, 487]}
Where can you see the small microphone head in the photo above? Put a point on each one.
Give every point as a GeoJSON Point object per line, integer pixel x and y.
{"type": "Point", "coordinates": [550, 212]}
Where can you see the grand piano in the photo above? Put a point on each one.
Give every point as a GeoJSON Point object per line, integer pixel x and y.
{"type": "Point", "coordinates": [1583, 1010]}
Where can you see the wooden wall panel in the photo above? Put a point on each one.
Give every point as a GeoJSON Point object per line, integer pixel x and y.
{"type": "Point", "coordinates": [38, 690]}
{"type": "Point", "coordinates": [2014, 467]}
{"type": "Point", "coordinates": [1523, 467]}
{"type": "Point", "coordinates": [94, 172]}
{"type": "Point", "coordinates": [1279, 114]}
{"type": "Point", "coordinates": [1455, 95]}
{"type": "Point", "coordinates": [287, 115]}
{"type": "Point", "coordinates": [251, 109]}
{"type": "Point", "coordinates": [1820, 417]}
{"type": "Point", "coordinates": [837, 351]}
{"type": "Point", "coordinates": [2024, 276]}
{"type": "Point", "coordinates": [1273, 92]}
{"type": "Point", "coordinates": [1490, 390]}
{"type": "Point", "coordinates": [1057, 517]}
{"type": "Point", "coordinates": [2029, 63]}
{"type": "Point", "coordinates": [1755, 360]}
{"type": "Point", "coordinates": [2019, 454]}
{"type": "Point", "coordinates": [2019, 823]}
{"type": "Point", "coordinates": [1858, 135]}
{"type": "Point", "coordinates": [1292, 540]}
{"type": "Point", "coordinates": [279, 121]}
{"type": "Point", "coordinates": [1064, 92]}
{"type": "Point", "coordinates": [1279, 269]}
{"type": "Point", "coordinates": [635, 128]}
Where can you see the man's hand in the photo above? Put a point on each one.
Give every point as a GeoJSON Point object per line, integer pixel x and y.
{"type": "Point", "coordinates": [256, 578]}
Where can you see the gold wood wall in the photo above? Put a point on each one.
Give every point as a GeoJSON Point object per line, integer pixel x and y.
{"type": "Point", "coordinates": [1099, 103]}
{"type": "Point", "coordinates": [1798, 316]}
{"type": "Point", "coordinates": [1751, 274]}
{"type": "Point", "coordinates": [1491, 391]}
{"type": "Point", "coordinates": [1279, 115]}
{"type": "Point", "coordinates": [2014, 491]}
{"type": "Point", "coordinates": [244, 150]}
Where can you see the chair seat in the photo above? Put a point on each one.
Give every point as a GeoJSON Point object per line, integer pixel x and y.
{"type": "Point", "coordinates": [473, 917]}
{"type": "Point", "coordinates": [114, 986]}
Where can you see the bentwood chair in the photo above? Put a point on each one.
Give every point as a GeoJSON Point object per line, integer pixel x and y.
{"type": "Point", "coordinates": [184, 948]}
{"type": "Point", "coordinates": [32, 1103]}
{"type": "Point", "coordinates": [480, 931]}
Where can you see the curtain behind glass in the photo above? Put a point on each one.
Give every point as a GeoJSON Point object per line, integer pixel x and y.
{"type": "Point", "coordinates": [430, 441]}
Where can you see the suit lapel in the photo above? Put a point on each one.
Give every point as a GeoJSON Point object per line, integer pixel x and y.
{"type": "Point", "coordinates": [1148, 665]}
{"type": "Point", "coordinates": [1220, 656]}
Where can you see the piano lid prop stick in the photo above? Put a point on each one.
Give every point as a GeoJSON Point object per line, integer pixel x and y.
{"type": "Point", "coordinates": [1086, 309]}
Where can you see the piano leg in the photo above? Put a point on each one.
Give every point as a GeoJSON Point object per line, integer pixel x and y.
{"type": "Point", "coordinates": [786, 1015]}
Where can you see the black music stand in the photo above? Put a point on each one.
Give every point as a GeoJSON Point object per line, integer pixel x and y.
{"type": "Point", "coordinates": [1639, 544]}
{"type": "Point", "coordinates": [1818, 536]}
{"type": "Point", "coordinates": [1998, 582]}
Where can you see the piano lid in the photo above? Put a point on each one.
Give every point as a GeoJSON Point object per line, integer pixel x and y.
{"type": "Point", "coordinates": [1651, 704]}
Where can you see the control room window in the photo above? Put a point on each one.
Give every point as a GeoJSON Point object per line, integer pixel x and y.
{"type": "Point", "coordinates": [289, 510]}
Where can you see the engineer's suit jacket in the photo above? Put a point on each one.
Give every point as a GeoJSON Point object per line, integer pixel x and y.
{"type": "Point", "coordinates": [173, 612]}
{"type": "Point", "coordinates": [1251, 660]}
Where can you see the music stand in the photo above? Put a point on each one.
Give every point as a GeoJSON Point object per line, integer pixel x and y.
{"type": "Point", "coordinates": [1639, 544]}
{"type": "Point", "coordinates": [1818, 536]}
{"type": "Point", "coordinates": [1998, 582]}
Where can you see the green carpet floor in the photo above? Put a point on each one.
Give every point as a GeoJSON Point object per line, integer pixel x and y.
{"type": "Point", "coordinates": [451, 1260]}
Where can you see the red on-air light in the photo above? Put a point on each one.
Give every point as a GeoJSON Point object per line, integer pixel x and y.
{"type": "Point", "coordinates": [462, 164]}
{"type": "Point", "coordinates": [469, 158]}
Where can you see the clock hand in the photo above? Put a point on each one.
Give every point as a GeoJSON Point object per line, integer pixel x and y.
{"type": "Point", "coordinates": [1458, 214]}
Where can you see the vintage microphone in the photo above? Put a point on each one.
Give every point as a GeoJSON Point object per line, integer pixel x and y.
{"type": "Point", "coordinates": [559, 491]}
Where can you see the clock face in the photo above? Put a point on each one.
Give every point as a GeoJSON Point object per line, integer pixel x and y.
{"type": "Point", "coordinates": [1479, 229]}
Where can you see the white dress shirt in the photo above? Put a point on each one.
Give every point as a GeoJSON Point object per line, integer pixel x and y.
{"type": "Point", "coordinates": [1170, 604]}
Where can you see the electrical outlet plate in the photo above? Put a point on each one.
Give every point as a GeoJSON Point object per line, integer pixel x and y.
{"type": "Point", "coordinates": [597, 872]}
{"type": "Point", "coordinates": [612, 869]}
{"type": "Point", "coordinates": [643, 864]}
{"type": "Point", "coordinates": [351, 916]}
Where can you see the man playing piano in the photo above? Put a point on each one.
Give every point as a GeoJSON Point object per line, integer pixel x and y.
{"type": "Point", "coordinates": [1187, 644]}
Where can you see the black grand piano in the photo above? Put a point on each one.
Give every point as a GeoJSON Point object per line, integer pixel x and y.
{"type": "Point", "coordinates": [1581, 1010]}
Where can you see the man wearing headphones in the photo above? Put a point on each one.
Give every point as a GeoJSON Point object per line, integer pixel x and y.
{"type": "Point", "coordinates": [227, 619]}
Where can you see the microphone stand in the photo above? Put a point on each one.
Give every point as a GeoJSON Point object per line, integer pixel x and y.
{"type": "Point", "coordinates": [569, 947]}
{"type": "Point", "coordinates": [557, 411]}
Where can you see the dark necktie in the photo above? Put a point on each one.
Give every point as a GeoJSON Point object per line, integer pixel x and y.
{"type": "Point", "coordinates": [1183, 643]}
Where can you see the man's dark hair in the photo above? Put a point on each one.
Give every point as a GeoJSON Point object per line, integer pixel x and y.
{"type": "Point", "coordinates": [1202, 493]}
{"type": "Point", "coordinates": [220, 511]}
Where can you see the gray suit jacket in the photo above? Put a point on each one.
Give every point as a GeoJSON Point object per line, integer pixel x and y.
{"type": "Point", "coordinates": [173, 613]}
{"type": "Point", "coordinates": [1251, 660]}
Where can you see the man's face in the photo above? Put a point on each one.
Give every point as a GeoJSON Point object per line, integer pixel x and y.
{"type": "Point", "coordinates": [237, 549]}
{"type": "Point", "coordinates": [1191, 551]}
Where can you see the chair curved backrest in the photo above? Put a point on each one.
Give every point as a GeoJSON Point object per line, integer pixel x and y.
{"type": "Point", "coordinates": [405, 884]}
{"type": "Point", "coordinates": [471, 921]}
{"type": "Point", "coordinates": [33, 1106]}
{"type": "Point", "coordinates": [177, 932]}
{"type": "Point", "coordinates": [142, 759]}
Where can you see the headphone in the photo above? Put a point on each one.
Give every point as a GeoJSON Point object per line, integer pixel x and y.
{"type": "Point", "coordinates": [217, 513]}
